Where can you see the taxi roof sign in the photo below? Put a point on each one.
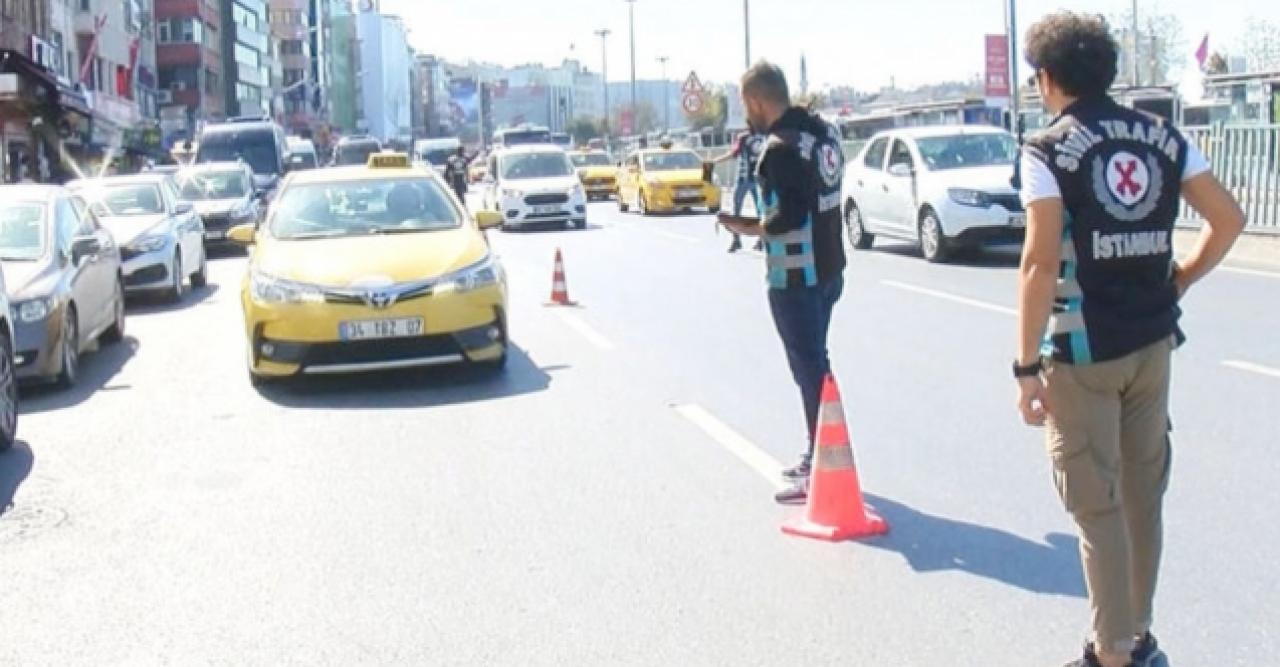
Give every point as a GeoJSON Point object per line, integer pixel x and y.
{"type": "Point", "coordinates": [388, 161]}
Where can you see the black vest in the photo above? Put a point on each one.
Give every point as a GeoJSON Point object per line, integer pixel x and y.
{"type": "Point", "coordinates": [1120, 172]}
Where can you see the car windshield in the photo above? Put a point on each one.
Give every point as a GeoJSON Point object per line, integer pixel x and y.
{"type": "Point", "coordinates": [232, 184]}
{"type": "Point", "coordinates": [590, 159]}
{"type": "Point", "coordinates": [967, 150]}
{"type": "Point", "coordinates": [126, 199]}
{"type": "Point", "coordinates": [22, 230]}
{"type": "Point", "coordinates": [357, 152]}
{"type": "Point", "coordinates": [356, 208]}
{"type": "Point", "coordinates": [257, 149]}
{"type": "Point", "coordinates": [672, 161]}
{"type": "Point", "coordinates": [535, 165]}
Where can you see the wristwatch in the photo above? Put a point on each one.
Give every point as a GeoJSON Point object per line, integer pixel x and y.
{"type": "Point", "coordinates": [1029, 371]}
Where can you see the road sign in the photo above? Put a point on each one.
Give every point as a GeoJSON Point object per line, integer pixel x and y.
{"type": "Point", "coordinates": [692, 103]}
{"type": "Point", "coordinates": [692, 84]}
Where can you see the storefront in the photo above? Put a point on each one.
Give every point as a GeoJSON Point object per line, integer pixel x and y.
{"type": "Point", "coordinates": [41, 121]}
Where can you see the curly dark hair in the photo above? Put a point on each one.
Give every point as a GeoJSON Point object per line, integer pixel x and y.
{"type": "Point", "coordinates": [1077, 50]}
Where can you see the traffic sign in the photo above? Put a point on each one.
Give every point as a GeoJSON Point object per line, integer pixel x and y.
{"type": "Point", "coordinates": [692, 103]}
{"type": "Point", "coordinates": [692, 84]}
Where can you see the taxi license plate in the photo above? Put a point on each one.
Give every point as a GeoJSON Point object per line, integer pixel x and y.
{"type": "Point", "coordinates": [215, 234]}
{"type": "Point", "coordinates": [545, 209]}
{"type": "Point", "coordinates": [1018, 220]}
{"type": "Point", "coordinates": [400, 327]}
{"type": "Point", "coordinates": [689, 192]}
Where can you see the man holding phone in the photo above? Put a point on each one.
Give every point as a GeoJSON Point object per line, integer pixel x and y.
{"type": "Point", "coordinates": [799, 176]}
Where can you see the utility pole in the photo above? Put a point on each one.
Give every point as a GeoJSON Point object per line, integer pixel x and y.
{"type": "Point", "coordinates": [603, 34]}
{"type": "Point", "coordinates": [666, 100]}
{"type": "Point", "coordinates": [746, 29]}
{"type": "Point", "coordinates": [1136, 66]}
{"type": "Point", "coordinates": [1011, 25]}
{"type": "Point", "coordinates": [631, 6]}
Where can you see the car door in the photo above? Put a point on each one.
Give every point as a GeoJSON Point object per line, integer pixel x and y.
{"type": "Point", "coordinates": [84, 281]}
{"type": "Point", "coordinates": [867, 182]}
{"type": "Point", "coordinates": [186, 224]}
{"type": "Point", "coordinates": [900, 189]}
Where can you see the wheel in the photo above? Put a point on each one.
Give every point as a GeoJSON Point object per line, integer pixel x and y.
{"type": "Point", "coordinates": [174, 293]}
{"type": "Point", "coordinates": [642, 206]}
{"type": "Point", "coordinates": [70, 371]}
{"type": "Point", "coordinates": [713, 210]}
{"type": "Point", "coordinates": [8, 396]}
{"type": "Point", "coordinates": [580, 224]}
{"type": "Point", "coordinates": [115, 332]}
{"type": "Point", "coordinates": [933, 241]}
{"type": "Point", "coordinates": [622, 205]}
{"type": "Point", "coordinates": [201, 278]}
{"type": "Point", "coordinates": [858, 236]}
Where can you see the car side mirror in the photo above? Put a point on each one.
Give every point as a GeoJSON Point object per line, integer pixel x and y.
{"type": "Point", "coordinates": [243, 234]}
{"type": "Point", "coordinates": [84, 247]}
{"type": "Point", "coordinates": [184, 207]}
{"type": "Point", "coordinates": [488, 219]}
{"type": "Point", "coordinates": [901, 170]}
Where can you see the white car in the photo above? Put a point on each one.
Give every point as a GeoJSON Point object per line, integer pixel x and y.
{"type": "Point", "coordinates": [535, 184]}
{"type": "Point", "coordinates": [944, 188]}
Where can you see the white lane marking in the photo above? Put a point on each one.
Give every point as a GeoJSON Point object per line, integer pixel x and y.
{"type": "Point", "coordinates": [757, 459]}
{"type": "Point", "coordinates": [995, 308]}
{"type": "Point", "coordinates": [1250, 272]}
{"type": "Point", "coordinates": [1250, 367]}
{"type": "Point", "coordinates": [586, 330]}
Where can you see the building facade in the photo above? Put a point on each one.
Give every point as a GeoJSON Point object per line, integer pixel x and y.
{"type": "Point", "coordinates": [247, 58]}
{"type": "Point", "coordinates": [189, 65]}
{"type": "Point", "coordinates": [433, 85]}
{"type": "Point", "coordinates": [384, 73]}
{"type": "Point", "coordinates": [345, 91]}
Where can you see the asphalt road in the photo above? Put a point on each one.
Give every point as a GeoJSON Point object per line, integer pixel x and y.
{"type": "Point", "coordinates": [608, 501]}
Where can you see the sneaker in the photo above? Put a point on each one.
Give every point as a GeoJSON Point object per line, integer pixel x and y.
{"type": "Point", "coordinates": [1090, 659]}
{"type": "Point", "coordinates": [735, 247]}
{"type": "Point", "coordinates": [796, 495]}
{"type": "Point", "coordinates": [1148, 653]}
{"type": "Point", "coordinates": [798, 472]}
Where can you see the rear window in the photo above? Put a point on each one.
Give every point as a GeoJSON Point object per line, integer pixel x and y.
{"type": "Point", "coordinates": [359, 208]}
{"type": "Point", "coordinates": [536, 165]}
{"type": "Point", "coordinates": [356, 152]}
{"type": "Point", "coordinates": [230, 184]}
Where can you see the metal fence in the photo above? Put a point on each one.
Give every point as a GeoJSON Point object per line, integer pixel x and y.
{"type": "Point", "coordinates": [1246, 158]}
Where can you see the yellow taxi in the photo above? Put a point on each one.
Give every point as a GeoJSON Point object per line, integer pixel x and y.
{"type": "Point", "coordinates": [665, 179]}
{"type": "Point", "coordinates": [598, 174]}
{"type": "Point", "coordinates": [370, 268]}
{"type": "Point", "coordinates": [478, 170]}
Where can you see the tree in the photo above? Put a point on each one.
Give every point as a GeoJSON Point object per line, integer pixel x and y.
{"type": "Point", "coordinates": [1216, 64]}
{"type": "Point", "coordinates": [714, 113]}
{"type": "Point", "coordinates": [584, 129]}
{"type": "Point", "coordinates": [1161, 46]}
{"type": "Point", "coordinates": [1262, 45]}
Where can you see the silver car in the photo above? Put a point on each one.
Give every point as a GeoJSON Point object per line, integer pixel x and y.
{"type": "Point", "coordinates": [161, 237]}
{"type": "Point", "coordinates": [223, 195]}
{"type": "Point", "coordinates": [62, 276]}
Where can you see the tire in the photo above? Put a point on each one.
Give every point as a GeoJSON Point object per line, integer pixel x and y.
{"type": "Point", "coordinates": [580, 224]}
{"type": "Point", "coordinates": [70, 370]}
{"type": "Point", "coordinates": [859, 238]}
{"type": "Point", "coordinates": [201, 278]}
{"type": "Point", "coordinates": [115, 332]}
{"type": "Point", "coordinates": [8, 395]}
{"type": "Point", "coordinates": [622, 205]}
{"type": "Point", "coordinates": [175, 291]}
{"type": "Point", "coordinates": [713, 210]}
{"type": "Point", "coordinates": [934, 245]}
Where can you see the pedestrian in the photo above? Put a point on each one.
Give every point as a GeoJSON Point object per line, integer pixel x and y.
{"type": "Point", "coordinates": [1098, 315]}
{"type": "Point", "coordinates": [747, 147]}
{"type": "Point", "coordinates": [799, 177]}
{"type": "Point", "coordinates": [455, 172]}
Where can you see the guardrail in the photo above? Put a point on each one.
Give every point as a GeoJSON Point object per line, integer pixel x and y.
{"type": "Point", "coordinates": [1246, 158]}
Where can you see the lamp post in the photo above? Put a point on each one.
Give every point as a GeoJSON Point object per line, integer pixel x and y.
{"type": "Point", "coordinates": [631, 7]}
{"type": "Point", "coordinates": [666, 101]}
{"type": "Point", "coordinates": [1136, 42]}
{"type": "Point", "coordinates": [603, 34]}
{"type": "Point", "coordinates": [746, 29]}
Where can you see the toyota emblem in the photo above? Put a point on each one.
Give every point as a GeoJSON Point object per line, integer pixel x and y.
{"type": "Point", "coordinates": [379, 300]}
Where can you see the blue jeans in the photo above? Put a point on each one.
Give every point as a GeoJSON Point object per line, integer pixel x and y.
{"type": "Point", "coordinates": [740, 196]}
{"type": "Point", "coordinates": [803, 316]}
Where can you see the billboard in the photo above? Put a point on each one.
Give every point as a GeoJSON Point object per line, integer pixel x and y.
{"type": "Point", "coordinates": [464, 102]}
{"type": "Point", "coordinates": [997, 81]}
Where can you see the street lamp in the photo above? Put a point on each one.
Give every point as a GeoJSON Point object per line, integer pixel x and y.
{"type": "Point", "coordinates": [666, 102]}
{"type": "Point", "coordinates": [746, 28]}
{"type": "Point", "coordinates": [604, 33]}
{"type": "Point", "coordinates": [631, 6]}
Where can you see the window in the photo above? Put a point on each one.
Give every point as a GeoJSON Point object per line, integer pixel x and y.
{"type": "Point", "coordinates": [84, 5]}
{"type": "Point", "coordinates": [162, 32]}
{"type": "Point", "coordinates": [67, 224]}
{"type": "Point", "coordinates": [291, 47]}
{"type": "Point", "coordinates": [901, 154]}
{"type": "Point", "coordinates": [247, 56]}
{"type": "Point", "coordinates": [874, 157]}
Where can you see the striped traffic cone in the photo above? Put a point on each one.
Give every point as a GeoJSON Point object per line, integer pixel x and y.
{"type": "Point", "coordinates": [835, 510]}
{"type": "Point", "coordinates": [559, 287]}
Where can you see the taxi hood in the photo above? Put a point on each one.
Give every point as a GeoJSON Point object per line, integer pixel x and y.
{"type": "Point", "coordinates": [689, 176]}
{"type": "Point", "coordinates": [340, 262]}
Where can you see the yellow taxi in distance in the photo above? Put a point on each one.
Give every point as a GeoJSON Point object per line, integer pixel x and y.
{"type": "Point", "coordinates": [598, 175]}
{"type": "Point", "coordinates": [370, 268]}
{"type": "Point", "coordinates": [665, 179]}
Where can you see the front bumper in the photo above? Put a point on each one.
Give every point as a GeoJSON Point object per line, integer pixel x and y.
{"type": "Point", "coordinates": [216, 227]}
{"type": "Point", "coordinates": [294, 339]}
{"type": "Point", "coordinates": [37, 347]}
{"type": "Point", "coordinates": [516, 213]}
{"type": "Point", "coordinates": [973, 225]}
{"type": "Point", "coordinates": [148, 271]}
{"type": "Point", "coordinates": [600, 187]}
{"type": "Point", "coordinates": [672, 199]}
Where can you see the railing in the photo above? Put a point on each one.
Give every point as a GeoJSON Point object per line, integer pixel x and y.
{"type": "Point", "coordinates": [1246, 158]}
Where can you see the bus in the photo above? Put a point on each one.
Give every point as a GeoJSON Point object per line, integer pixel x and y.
{"type": "Point", "coordinates": [522, 134]}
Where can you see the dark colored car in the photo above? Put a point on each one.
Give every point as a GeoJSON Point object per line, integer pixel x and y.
{"type": "Point", "coordinates": [259, 143]}
{"type": "Point", "coordinates": [223, 195]}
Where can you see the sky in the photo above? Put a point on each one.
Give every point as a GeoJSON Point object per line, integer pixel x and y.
{"type": "Point", "coordinates": [862, 43]}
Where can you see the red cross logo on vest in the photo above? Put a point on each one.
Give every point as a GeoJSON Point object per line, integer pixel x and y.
{"type": "Point", "coordinates": [1128, 178]}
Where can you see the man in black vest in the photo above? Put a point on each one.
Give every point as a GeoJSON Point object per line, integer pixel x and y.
{"type": "Point", "coordinates": [455, 173]}
{"type": "Point", "coordinates": [1098, 315]}
{"type": "Point", "coordinates": [799, 176]}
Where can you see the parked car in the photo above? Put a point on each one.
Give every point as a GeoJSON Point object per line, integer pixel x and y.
{"type": "Point", "coordinates": [944, 188]}
{"type": "Point", "coordinates": [161, 236]}
{"type": "Point", "coordinates": [62, 279]}
{"type": "Point", "coordinates": [222, 193]}
{"type": "Point", "coordinates": [535, 184]}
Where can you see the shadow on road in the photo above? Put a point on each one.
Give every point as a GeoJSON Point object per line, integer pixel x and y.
{"type": "Point", "coordinates": [444, 385]}
{"type": "Point", "coordinates": [142, 305]}
{"type": "Point", "coordinates": [96, 370]}
{"type": "Point", "coordinates": [995, 258]}
{"type": "Point", "coordinates": [15, 465]}
{"type": "Point", "coordinates": [933, 544]}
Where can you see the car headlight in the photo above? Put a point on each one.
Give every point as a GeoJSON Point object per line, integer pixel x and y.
{"type": "Point", "coordinates": [484, 273]}
{"type": "Point", "coordinates": [33, 310]}
{"type": "Point", "coordinates": [269, 289]}
{"type": "Point", "coordinates": [967, 197]}
{"type": "Point", "coordinates": [149, 244]}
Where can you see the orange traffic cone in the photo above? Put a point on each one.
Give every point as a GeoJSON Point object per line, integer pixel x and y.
{"type": "Point", "coordinates": [560, 288]}
{"type": "Point", "coordinates": [835, 510]}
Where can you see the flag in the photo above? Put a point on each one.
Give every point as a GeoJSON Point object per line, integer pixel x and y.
{"type": "Point", "coordinates": [1202, 53]}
